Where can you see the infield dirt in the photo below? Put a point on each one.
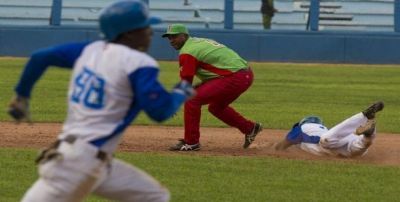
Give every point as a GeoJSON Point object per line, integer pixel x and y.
{"type": "Point", "coordinates": [215, 141]}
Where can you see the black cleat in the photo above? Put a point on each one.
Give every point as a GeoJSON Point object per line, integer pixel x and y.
{"type": "Point", "coordinates": [373, 109]}
{"type": "Point", "coordinates": [249, 138]}
{"type": "Point", "coordinates": [182, 146]}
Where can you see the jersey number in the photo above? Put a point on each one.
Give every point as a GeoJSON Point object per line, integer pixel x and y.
{"type": "Point", "coordinates": [214, 43]}
{"type": "Point", "coordinates": [89, 88]}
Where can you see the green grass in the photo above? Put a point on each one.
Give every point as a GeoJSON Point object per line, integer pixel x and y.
{"type": "Point", "coordinates": [197, 178]}
{"type": "Point", "coordinates": [281, 94]}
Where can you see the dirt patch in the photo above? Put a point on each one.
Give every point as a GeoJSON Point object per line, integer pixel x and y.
{"type": "Point", "coordinates": [215, 141]}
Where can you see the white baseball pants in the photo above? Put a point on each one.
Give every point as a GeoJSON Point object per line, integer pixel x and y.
{"type": "Point", "coordinates": [77, 172]}
{"type": "Point", "coordinates": [341, 138]}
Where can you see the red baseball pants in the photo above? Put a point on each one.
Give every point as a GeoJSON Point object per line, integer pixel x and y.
{"type": "Point", "coordinates": [218, 94]}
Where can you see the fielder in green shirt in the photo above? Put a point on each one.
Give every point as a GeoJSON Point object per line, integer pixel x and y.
{"type": "Point", "coordinates": [224, 75]}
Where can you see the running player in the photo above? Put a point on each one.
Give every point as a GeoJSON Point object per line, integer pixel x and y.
{"type": "Point", "coordinates": [112, 81]}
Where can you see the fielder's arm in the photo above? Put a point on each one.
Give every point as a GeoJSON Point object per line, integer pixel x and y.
{"type": "Point", "coordinates": [188, 67]}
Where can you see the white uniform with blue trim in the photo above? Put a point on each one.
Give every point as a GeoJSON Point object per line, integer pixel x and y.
{"type": "Point", "coordinates": [311, 144]}
{"type": "Point", "coordinates": [339, 140]}
{"type": "Point", "coordinates": [110, 85]}
{"type": "Point", "coordinates": [100, 95]}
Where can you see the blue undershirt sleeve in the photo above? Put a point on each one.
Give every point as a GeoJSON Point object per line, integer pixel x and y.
{"type": "Point", "coordinates": [150, 95]}
{"type": "Point", "coordinates": [61, 55]}
{"type": "Point", "coordinates": [295, 135]}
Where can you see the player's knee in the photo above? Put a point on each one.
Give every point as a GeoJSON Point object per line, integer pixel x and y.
{"type": "Point", "coordinates": [324, 142]}
{"type": "Point", "coordinates": [166, 196]}
{"type": "Point", "coordinates": [162, 196]}
{"type": "Point", "coordinates": [213, 109]}
{"type": "Point", "coordinates": [192, 103]}
{"type": "Point", "coordinates": [360, 146]}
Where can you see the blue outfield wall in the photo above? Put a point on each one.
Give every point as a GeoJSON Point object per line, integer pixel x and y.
{"type": "Point", "coordinates": [273, 46]}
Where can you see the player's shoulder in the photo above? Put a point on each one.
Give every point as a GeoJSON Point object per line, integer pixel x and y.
{"type": "Point", "coordinates": [95, 45]}
{"type": "Point", "coordinates": [193, 45]}
{"type": "Point", "coordinates": [313, 128]}
{"type": "Point", "coordinates": [198, 42]}
{"type": "Point", "coordinates": [134, 58]}
{"type": "Point", "coordinates": [143, 59]}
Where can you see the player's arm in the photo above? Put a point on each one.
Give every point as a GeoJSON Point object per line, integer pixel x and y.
{"type": "Point", "coordinates": [188, 65]}
{"type": "Point", "coordinates": [151, 96]}
{"type": "Point", "coordinates": [62, 56]}
{"type": "Point", "coordinates": [283, 144]}
{"type": "Point", "coordinates": [295, 136]}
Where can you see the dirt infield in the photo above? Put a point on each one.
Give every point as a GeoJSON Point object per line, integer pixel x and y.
{"type": "Point", "coordinates": [215, 141]}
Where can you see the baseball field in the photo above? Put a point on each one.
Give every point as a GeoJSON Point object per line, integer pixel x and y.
{"type": "Point", "coordinates": [223, 171]}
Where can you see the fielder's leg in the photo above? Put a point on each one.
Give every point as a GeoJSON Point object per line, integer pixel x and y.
{"type": "Point", "coordinates": [234, 86]}
{"type": "Point", "coordinates": [125, 182]}
{"type": "Point", "coordinates": [219, 93]}
{"type": "Point", "coordinates": [192, 114]}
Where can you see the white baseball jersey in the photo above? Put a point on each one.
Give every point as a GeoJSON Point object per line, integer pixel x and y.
{"type": "Point", "coordinates": [101, 101]}
{"type": "Point", "coordinates": [100, 93]}
{"type": "Point", "coordinates": [307, 136]}
{"type": "Point", "coordinates": [109, 86]}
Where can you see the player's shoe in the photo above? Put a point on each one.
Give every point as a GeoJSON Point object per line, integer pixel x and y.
{"type": "Point", "coordinates": [367, 129]}
{"type": "Point", "coordinates": [182, 146]}
{"type": "Point", "coordinates": [249, 138]}
{"type": "Point", "coordinates": [371, 110]}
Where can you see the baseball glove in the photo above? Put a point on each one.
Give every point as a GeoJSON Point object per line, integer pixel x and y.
{"type": "Point", "coordinates": [19, 109]}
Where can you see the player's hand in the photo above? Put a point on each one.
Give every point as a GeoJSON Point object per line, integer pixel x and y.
{"type": "Point", "coordinates": [195, 86]}
{"type": "Point", "coordinates": [185, 88]}
{"type": "Point", "coordinates": [18, 109]}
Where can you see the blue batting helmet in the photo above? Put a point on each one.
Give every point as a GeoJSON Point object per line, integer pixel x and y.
{"type": "Point", "coordinates": [123, 16]}
{"type": "Point", "coordinates": [311, 119]}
